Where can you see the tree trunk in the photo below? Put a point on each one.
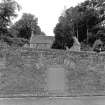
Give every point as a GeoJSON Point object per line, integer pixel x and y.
{"type": "Point", "coordinates": [87, 32]}
{"type": "Point", "coordinates": [77, 32]}
{"type": "Point", "coordinates": [73, 30]}
{"type": "Point", "coordinates": [87, 35]}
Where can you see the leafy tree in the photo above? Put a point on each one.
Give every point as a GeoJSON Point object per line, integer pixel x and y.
{"type": "Point", "coordinates": [67, 27]}
{"type": "Point", "coordinates": [74, 23]}
{"type": "Point", "coordinates": [95, 5]}
{"type": "Point", "coordinates": [63, 37]}
{"type": "Point", "coordinates": [24, 27]}
{"type": "Point", "coordinates": [89, 20]}
{"type": "Point", "coordinates": [83, 21]}
{"type": "Point", "coordinates": [8, 10]}
{"type": "Point", "coordinates": [72, 18]}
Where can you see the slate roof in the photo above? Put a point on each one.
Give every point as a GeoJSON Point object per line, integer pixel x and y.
{"type": "Point", "coordinates": [41, 39]}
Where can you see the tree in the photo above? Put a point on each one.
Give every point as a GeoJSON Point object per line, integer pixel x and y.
{"type": "Point", "coordinates": [8, 10]}
{"type": "Point", "coordinates": [96, 17]}
{"type": "Point", "coordinates": [67, 28]}
{"type": "Point", "coordinates": [24, 27]}
{"type": "Point", "coordinates": [63, 37]}
{"type": "Point", "coordinates": [96, 5]}
{"type": "Point", "coordinates": [81, 21]}
{"type": "Point", "coordinates": [72, 18]}
{"type": "Point", "coordinates": [89, 20]}
{"type": "Point", "coordinates": [75, 23]}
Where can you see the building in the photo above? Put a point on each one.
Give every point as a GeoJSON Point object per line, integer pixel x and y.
{"type": "Point", "coordinates": [41, 41]}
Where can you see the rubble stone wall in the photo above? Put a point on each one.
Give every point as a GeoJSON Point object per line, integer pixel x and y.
{"type": "Point", "coordinates": [26, 71]}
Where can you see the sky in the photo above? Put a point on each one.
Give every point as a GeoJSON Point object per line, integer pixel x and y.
{"type": "Point", "coordinates": [47, 11]}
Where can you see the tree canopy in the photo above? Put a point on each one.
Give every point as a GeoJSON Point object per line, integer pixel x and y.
{"type": "Point", "coordinates": [26, 25]}
{"type": "Point", "coordinates": [8, 10]}
{"type": "Point", "coordinates": [82, 21]}
{"type": "Point", "coordinates": [19, 32]}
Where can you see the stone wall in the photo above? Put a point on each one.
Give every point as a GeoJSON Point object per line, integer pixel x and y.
{"type": "Point", "coordinates": [51, 72]}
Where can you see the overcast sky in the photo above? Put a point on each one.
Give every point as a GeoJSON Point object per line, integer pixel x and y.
{"type": "Point", "coordinates": [47, 11]}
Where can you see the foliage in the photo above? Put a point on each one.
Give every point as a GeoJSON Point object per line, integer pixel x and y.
{"type": "Point", "coordinates": [20, 32]}
{"type": "Point", "coordinates": [8, 10]}
{"type": "Point", "coordinates": [63, 37]}
{"type": "Point", "coordinates": [24, 27]}
{"type": "Point", "coordinates": [96, 17]}
{"type": "Point", "coordinates": [82, 21]}
{"type": "Point", "coordinates": [14, 41]}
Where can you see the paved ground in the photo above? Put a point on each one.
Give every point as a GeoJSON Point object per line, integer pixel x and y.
{"type": "Point", "coordinates": [54, 101]}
